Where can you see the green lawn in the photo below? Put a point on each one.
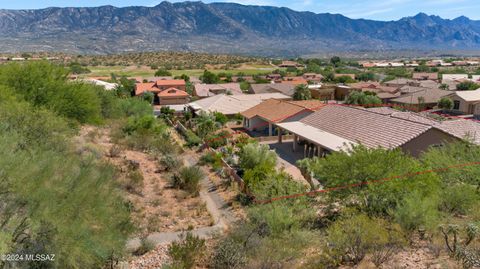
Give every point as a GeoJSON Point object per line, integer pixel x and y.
{"type": "Point", "coordinates": [134, 71]}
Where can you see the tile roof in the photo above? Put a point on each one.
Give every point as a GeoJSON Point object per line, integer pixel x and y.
{"type": "Point", "coordinates": [366, 127]}
{"type": "Point", "coordinates": [205, 90]}
{"type": "Point", "coordinates": [469, 96]}
{"type": "Point", "coordinates": [460, 128]}
{"type": "Point", "coordinates": [425, 76]}
{"type": "Point", "coordinates": [287, 89]}
{"type": "Point", "coordinates": [170, 82]}
{"type": "Point", "coordinates": [430, 96]}
{"type": "Point", "coordinates": [172, 92]}
{"type": "Point", "coordinates": [233, 104]}
{"type": "Point", "coordinates": [145, 87]}
{"type": "Point", "coordinates": [278, 110]}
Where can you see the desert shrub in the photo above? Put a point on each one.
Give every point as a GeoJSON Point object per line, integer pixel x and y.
{"type": "Point", "coordinates": [188, 179]}
{"type": "Point", "coordinates": [229, 254]}
{"type": "Point", "coordinates": [365, 165]}
{"type": "Point", "coordinates": [212, 158]}
{"type": "Point", "coordinates": [134, 181]}
{"type": "Point", "coordinates": [192, 139]}
{"type": "Point", "coordinates": [352, 237]}
{"type": "Point", "coordinates": [186, 252]}
{"type": "Point", "coordinates": [169, 162]}
{"type": "Point", "coordinates": [265, 183]}
{"type": "Point", "coordinates": [114, 151]}
{"type": "Point", "coordinates": [417, 211]}
{"type": "Point", "coordinates": [145, 246]}
{"type": "Point", "coordinates": [217, 140]}
{"type": "Point", "coordinates": [253, 155]}
{"type": "Point", "coordinates": [459, 199]}
{"type": "Point", "coordinates": [220, 118]}
{"type": "Point", "coordinates": [453, 154]}
{"type": "Point", "coordinates": [134, 107]}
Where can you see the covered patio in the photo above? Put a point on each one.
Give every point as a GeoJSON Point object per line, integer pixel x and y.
{"type": "Point", "coordinates": [311, 141]}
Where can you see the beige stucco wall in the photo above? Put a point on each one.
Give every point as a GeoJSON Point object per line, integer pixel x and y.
{"type": "Point", "coordinates": [420, 144]}
{"type": "Point", "coordinates": [463, 104]}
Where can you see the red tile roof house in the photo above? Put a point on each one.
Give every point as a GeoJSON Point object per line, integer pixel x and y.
{"type": "Point", "coordinates": [265, 115]}
{"type": "Point", "coordinates": [166, 92]}
{"type": "Point", "coordinates": [337, 128]}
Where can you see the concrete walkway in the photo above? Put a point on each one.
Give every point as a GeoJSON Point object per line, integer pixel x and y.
{"type": "Point", "coordinates": [216, 206]}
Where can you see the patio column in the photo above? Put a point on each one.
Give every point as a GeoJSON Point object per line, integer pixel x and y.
{"type": "Point", "coordinates": [319, 151]}
{"type": "Point", "coordinates": [305, 151]}
{"type": "Point", "coordinates": [295, 139]}
{"type": "Point", "coordinates": [279, 135]}
{"type": "Point", "coordinates": [270, 129]}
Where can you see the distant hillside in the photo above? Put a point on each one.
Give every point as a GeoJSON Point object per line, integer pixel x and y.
{"type": "Point", "coordinates": [224, 28]}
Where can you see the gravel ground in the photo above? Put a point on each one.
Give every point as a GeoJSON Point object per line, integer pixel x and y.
{"type": "Point", "coordinates": [151, 260]}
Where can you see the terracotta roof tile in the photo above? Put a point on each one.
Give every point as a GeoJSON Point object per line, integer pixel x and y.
{"type": "Point", "coordinates": [366, 127]}
{"type": "Point", "coordinates": [278, 110]}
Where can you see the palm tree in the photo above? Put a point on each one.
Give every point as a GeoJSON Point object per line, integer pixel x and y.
{"type": "Point", "coordinates": [302, 92]}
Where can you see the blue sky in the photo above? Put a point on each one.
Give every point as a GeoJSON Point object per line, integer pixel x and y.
{"type": "Point", "coordinates": [370, 9]}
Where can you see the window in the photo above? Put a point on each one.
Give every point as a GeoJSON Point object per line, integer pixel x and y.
{"type": "Point", "coordinates": [456, 105]}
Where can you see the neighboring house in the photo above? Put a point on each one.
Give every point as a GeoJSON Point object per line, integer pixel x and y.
{"type": "Point", "coordinates": [453, 77]}
{"type": "Point", "coordinates": [284, 88]}
{"type": "Point", "coordinates": [289, 64]}
{"type": "Point", "coordinates": [312, 77]}
{"type": "Point", "coordinates": [207, 90]}
{"type": "Point", "coordinates": [274, 77]}
{"type": "Point", "coordinates": [294, 81]}
{"type": "Point", "coordinates": [173, 96]}
{"type": "Point", "coordinates": [265, 115]}
{"type": "Point", "coordinates": [335, 128]}
{"type": "Point", "coordinates": [106, 85]}
{"type": "Point", "coordinates": [322, 92]}
{"type": "Point", "coordinates": [342, 91]}
{"type": "Point", "coordinates": [232, 105]}
{"type": "Point", "coordinates": [466, 102]}
{"type": "Point", "coordinates": [176, 93]}
{"type": "Point", "coordinates": [400, 82]}
{"type": "Point", "coordinates": [425, 76]}
{"type": "Point", "coordinates": [460, 128]}
{"type": "Point", "coordinates": [421, 100]}
{"type": "Point", "coordinates": [429, 84]}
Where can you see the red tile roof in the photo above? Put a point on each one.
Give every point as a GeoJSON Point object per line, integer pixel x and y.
{"type": "Point", "coordinates": [172, 92]}
{"type": "Point", "coordinates": [170, 82]}
{"type": "Point", "coordinates": [145, 87]}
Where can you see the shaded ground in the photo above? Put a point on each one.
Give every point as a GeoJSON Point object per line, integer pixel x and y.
{"type": "Point", "coordinates": [287, 158]}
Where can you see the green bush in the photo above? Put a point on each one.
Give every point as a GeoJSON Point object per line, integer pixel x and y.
{"type": "Point", "coordinates": [218, 140]}
{"type": "Point", "coordinates": [185, 253]}
{"type": "Point", "coordinates": [350, 239]}
{"type": "Point", "coordinates": [192, 139]}
{"type": "Point", "coordinates": [212, 158]}
{"type": "Point", "coordinates": [365, 165]}
{"type": "Point", "coordinates": [417, 211]}
{"type": "Point", "coordinates": [459, 199]}
{"type": "Point", "coordinates": [253, 155]}
{"type": "Point", "coordinates": [188, 179]}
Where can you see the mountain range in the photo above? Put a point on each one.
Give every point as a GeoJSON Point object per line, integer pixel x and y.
{"type": "Point", "coordinates": [225, 28]}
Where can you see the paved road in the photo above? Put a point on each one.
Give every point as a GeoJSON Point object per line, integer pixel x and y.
{"type": "Point", "coordinates": [216, 206]}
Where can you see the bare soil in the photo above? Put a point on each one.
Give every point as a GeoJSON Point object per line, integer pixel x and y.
{"type": "Point", "coordinates": [156, 206]}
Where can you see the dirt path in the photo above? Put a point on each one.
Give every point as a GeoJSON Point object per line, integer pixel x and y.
{"type": "Point", "coordinates": [216, 206]}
